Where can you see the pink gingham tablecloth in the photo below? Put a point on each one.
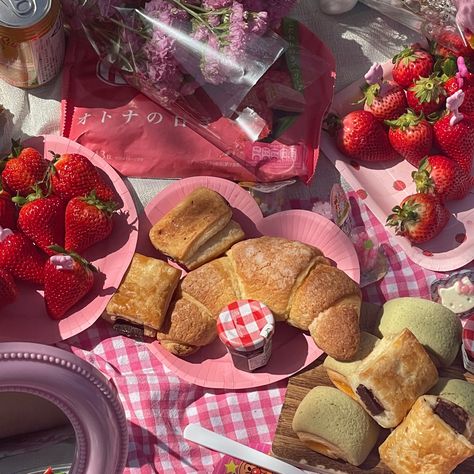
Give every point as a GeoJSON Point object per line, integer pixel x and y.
{"type": "Point", "coordinates": [158, 405]}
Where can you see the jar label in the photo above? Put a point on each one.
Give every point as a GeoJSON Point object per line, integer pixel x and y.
{"type": "Point", "coordinates": [261, 359]}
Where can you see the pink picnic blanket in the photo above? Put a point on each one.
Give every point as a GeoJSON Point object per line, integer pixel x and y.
{"type": "Point", "coordinates": [158, 405]}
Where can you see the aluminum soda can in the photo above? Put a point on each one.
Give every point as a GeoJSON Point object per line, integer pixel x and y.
{"type": "Point", "coordinates": [32, 41]}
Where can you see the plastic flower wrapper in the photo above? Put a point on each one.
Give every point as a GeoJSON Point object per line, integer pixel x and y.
{"type": "Point", "coordinates": [219, 66]}
{"type": "Point", "coordinates": [372, 259]}
{"type": "Point", "coordinates": [448, 23]}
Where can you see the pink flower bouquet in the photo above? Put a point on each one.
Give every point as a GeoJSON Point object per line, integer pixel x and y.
{"type": "Point", "coordinates": [220, 66]}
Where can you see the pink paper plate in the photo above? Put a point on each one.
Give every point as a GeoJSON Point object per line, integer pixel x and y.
{"type": "Point", "coordinates": [384, 185]}
{"type": "Point", "coordinates": [293, 350]}
{"type": "Point", "coordinates": [26, 319]}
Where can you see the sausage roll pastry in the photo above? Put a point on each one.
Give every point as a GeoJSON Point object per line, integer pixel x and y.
{"type": "Point", "coordinates": [434, 438]}
{"type": "Point", "coordinates": [391, 378]}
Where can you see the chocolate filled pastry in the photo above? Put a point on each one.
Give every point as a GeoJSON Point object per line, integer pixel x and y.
{"type": "Point", "coordinates": [199, 229]}
{"type": "Point", "coordinates": [295, 281]}
{"type": "Point", "coordinates": [435, 437]}
{"type": "Point", "coordinates": [333, 424]}
{"type": "Point", "coordinates": [139, 306]}
{"type": "Point", "coordinates": [391, 378]}
{"type": "Point", "coordinates": [339, 371]}
{"type": "Point", "coordinates": [436, 327]}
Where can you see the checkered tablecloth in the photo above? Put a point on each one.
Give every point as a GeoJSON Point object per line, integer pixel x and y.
{"type": "Point", "coordinates": [159, 405]}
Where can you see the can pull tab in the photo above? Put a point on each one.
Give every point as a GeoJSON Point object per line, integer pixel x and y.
{"type": "Point", "coordinates": [23, 7]}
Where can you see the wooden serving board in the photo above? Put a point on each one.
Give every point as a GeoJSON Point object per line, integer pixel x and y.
{"type": "Point", "coordinates": [287, 447]}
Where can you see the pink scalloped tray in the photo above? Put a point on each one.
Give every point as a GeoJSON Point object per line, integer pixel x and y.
{"type": "Point", "coordinates": [384, 185]}
{"type": "Point", "coordinates": [26, 319]}
{"type": "Point", "coordinates": [293, 350]}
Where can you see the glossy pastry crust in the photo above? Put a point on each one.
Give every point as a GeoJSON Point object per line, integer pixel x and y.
{"type": "Point", "coordinates": [145, 292]}
{"type": "Point", "coordinates": [424, 443]}
{"type": "Point", "coordinates": [281, 274]}
{"type": "Point", "coordinates": [184, 231]}
{"type": "Point", "coordinates": [396, 372]}
{"type": "Point", "coordinates": [192, 320]}
{"type": "Point", "coordinates": [270, 269]}
{"type": "Point", "coordinates": [339, 371]}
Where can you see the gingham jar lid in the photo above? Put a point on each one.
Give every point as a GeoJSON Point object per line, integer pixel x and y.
{"type": "Point", "coordinates": [245, 325]}
{"type": "Point", "coordinates": [468, 337]}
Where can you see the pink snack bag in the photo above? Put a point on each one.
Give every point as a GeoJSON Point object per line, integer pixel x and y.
{"type": "Point", "coordinates": [139, 138]}
{"type": "Point", "coordinates": [136, 136]}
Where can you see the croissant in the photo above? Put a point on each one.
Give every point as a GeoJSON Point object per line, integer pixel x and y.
{"type": "Point", "coordinates": [293, 279]}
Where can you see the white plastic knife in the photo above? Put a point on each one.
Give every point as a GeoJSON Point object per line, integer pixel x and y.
{"type": "Point", "coordinates": [199, 435]}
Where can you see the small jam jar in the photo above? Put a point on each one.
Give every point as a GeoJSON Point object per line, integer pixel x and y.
{"type": "Point", "coordinates": [246, 328]}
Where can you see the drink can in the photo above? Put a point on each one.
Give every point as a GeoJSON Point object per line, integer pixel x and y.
{"type": "Point", "coordinates": [32, 41]}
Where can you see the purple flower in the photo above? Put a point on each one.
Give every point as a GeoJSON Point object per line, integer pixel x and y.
{"type": "Point", "coordinates": [211, 66]}
{"type": "Point", "coordinates": [216, 4]}
{"type": "Point", "coordinates": [258, 23]}
{"type": "Point", "coordinates": [237, 37]}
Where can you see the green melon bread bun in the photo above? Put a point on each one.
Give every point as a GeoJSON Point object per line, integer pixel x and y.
{"type": "Point", "coordinates": [333, 424]}
{"type": "Point", "coordinates": [436, 327]}
{"type": "Point", "coordinates": [457, 391]}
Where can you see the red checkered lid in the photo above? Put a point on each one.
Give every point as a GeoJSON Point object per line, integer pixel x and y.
{"type": "Point", "coordinates": [245, 325]}
{"type": "Point", "coordinates": [468, 337]}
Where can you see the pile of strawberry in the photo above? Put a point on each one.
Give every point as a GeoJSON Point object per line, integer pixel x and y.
{"type": "Point", "coordinates": [426, 116]}
{"type": "Point", "coordinates": [50, 213]}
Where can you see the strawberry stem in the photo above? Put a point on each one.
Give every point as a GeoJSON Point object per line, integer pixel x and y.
{"type": "Point", "coordinates": [422, 177]}
{"type": "Point", "coordinates": [58, 249]}
{"type": "Point", "coordinates": [108, 207]}
{"type": "Point", "coordinates": [16, 148]}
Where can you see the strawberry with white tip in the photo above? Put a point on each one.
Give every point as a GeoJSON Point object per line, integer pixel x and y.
{"type": "Point", "coordinates": [454, 133]}
{"type": "Point", "coordinates": [384, 99]}
{"type": "Point", "coordinates": [463, 80]}
{"type": "Point", "coordinates": [68, 278]}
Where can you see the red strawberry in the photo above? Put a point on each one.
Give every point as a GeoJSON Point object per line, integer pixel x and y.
{"type": "Point", "coordinates": [451, 44]}
{"type": "Point", "coordinates": [74, 175]}
{"type": "Point", "coordinates": [20, 257]}
{"type": "Point", "coordinates": [452, 86]}
{"type": "Point", "coordinates": [8, 290]}
{"type": "Point", "coordinates": [386, 101]}
{"type": "Point", "coordinates": [361, 136]}
{"type": "Point", "coordinates": [88, 221]}
{"type": "Point", "coordinates": [420, 217]}
{"type": "Point", "coordinates": [456, 141]}
{"type": "Point", "coordinates": [411, 64]}
{"type": "Point", "coordinates": [8, 214]}
{"type": "Point", "coordinates": [23, 170]}
{"type": "Point", "coordinates": [42, 220]}
{"type": "Point", "coordinates": [442, 176]}
{"type": "Point", "coordinates": [411, 136]}
{"type": "Point", "coordinates": [67, 279]}
{"type": "Point", "coordinates": [427, 95]}
{"type": "Point", "coordinates": [462, 80]}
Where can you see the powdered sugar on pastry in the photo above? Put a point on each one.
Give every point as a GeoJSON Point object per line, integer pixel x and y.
{"type": "Point", "coordinates": [459, 297]}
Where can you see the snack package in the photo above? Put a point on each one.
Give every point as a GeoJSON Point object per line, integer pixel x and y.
{"type": "Point", "coordinates": [231, 465]}
{"type": "Point", "coordinates": [136, 136]}
{"type": "Point", "coordinates": [271, 135]}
